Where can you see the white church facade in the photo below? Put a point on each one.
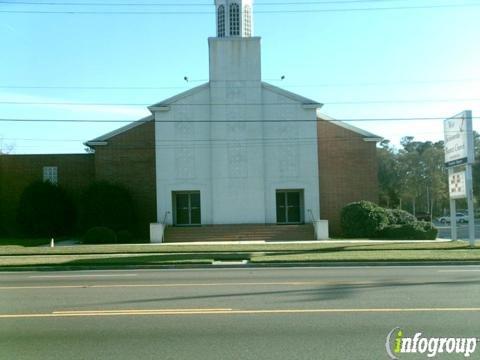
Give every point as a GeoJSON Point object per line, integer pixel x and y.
{"type": "Point", "coordinates": [241, 152]}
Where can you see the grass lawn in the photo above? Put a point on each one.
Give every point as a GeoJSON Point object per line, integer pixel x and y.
{"type": "Point", "coordinates": [118, 255]}
{"type": "Point", "coordinates": [23, 242]}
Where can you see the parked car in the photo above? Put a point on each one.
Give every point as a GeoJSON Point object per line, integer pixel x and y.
{"type": "Point", "coordinates": [422, 216]}
{"type": "Point", "coordinates": [460, 217]}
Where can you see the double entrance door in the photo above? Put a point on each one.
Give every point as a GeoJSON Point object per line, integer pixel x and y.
{"type": "Point", "coordinates": [289, 206]}
{"type": "Point", "coordinates": [187, 211]}
{"type": "Point", "coordinates": [186, 206]}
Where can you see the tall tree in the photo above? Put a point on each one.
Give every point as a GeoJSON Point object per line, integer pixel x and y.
{"type": "Point", "coordinates": [414, 175]}
{"type": "Point", "coordinates": [388, 179]}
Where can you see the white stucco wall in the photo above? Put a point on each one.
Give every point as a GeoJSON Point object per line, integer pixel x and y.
{"type": "Point", "coordinates": [236, 165]}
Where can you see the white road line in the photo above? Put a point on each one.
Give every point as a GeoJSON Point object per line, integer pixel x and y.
{"type": "Point", "coordinates": [170, 312]}
{"type": "Point", "coordinates": [75, 276]}
{"type": "Point", "coordinates": [460, 270]}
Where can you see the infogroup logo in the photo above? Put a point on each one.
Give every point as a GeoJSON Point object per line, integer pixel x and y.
{"type": "Point", "coordinates": [397, 343]}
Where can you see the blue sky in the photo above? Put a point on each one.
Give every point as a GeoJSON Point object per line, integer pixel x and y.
{"type": "Point", "coordinates": [397, 63]}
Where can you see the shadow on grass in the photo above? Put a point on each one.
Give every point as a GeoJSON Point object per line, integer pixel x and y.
{"type": "Point", "coordinates": [159, 259]}
{"type": "Point", "coordinates": [23, 242]}
{"type": "Point", "coordinates": [375, 247]}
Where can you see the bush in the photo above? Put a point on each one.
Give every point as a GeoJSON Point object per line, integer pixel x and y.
{"type": "Point", "coordinates": [419, 230]}
{"type": "Point", "coordinates": [362, 219]}
{"type": "Point", "coordinates": [124, 237]}
{"type": "Point", "coordinates": [100, 235]}
{"type": "Point", "coordinates": [400, 217]}
{"type": "Point", "coordinates": [45, 211]}
{"type": "Point", "coordinates": [108, 205]}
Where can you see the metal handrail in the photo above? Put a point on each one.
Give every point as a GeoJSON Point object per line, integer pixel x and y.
{"type": "Point", "coordinates": [311, 215]}
{"type": "Point", "coordinates": [164, 223]}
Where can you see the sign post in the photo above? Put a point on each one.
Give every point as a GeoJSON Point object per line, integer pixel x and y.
{"type": "Point", "coordinates": [459, 157]}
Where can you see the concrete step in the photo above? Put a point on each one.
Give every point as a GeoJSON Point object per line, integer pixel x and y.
{"type": "Point", "coordinates": [253, 232]}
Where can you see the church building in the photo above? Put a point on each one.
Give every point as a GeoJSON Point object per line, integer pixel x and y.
{"type": "Point", "coordinates": [235, 153]}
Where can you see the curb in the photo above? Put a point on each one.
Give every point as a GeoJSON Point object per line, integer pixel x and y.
{"type": "Point", "coordinates": [243, 266]}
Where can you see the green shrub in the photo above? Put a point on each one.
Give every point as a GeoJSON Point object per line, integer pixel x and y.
{"type": "Point", "coordinates": [45, 210]}
{"type": "Point", "coordinates": [124, 237]}
{"type": "Point", "coordinates": [400, 217]}
{"type": "Point", "coordinates": [418, 230]}
{"type": "Point", "coordinates": [362, 219]}
{"type": "Point", "coordinates": [100, 235]}
{"type": "Point", "coordinates": [108, 205]}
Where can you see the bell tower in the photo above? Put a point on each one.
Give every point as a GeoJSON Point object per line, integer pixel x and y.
{"type": "Point", "coordinates": [234, 18]}
{"type": "Point", "coordinates": [234, 52]}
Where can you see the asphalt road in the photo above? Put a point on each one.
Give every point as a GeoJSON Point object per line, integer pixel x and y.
{"type": "Point", "coordinates": [444, 230]}
{"type": "Point", "coordinates": [290, 313]}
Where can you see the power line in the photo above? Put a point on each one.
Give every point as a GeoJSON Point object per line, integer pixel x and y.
{"type": "Point", "coordinates": [231, 141]}
{"type": "Point", "coordinates": [358, 102]}
{"type": "Point", "coordinates": [225, 121]}
{"type": "Point", "coordinates": [186, 87]}
{"type": "Point", "coordinates": [328, 2]}
{"type": "Point", "coordinates": [297, 11]}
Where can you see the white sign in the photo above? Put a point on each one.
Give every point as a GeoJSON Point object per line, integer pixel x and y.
{"type": "Point", "coordinates": [458, 146]}
{"type": "Point", "coordinates": [457, 185]}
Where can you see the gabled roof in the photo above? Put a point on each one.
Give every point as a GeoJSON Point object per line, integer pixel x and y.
{"type": "Point", "coordinates": [102, 140]}
{"type": "Point", "coordinates": [173, 99]}
{"type": "Point", "coordinates": [367, 136]}
{"type": "Point", "coordinates": [164, 105]}
{"type": "Point", "coordinates": [303, 100]}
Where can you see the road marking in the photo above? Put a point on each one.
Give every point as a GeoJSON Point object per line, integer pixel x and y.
{"type": "Point", "coordinates": [170, 312]}
{"type": "Point", "coordinates": [130, 311]}
{"type": "Point", "coordinates": [75, 276]}
{"type": "Point", "coordinates": [288, 283]}
{"type": "Point", "coordinates": [460, 270]}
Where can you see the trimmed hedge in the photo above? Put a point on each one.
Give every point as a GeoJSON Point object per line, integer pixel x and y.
{"type": "Point", "coordinates": [365, 219]}
{"type": "Point", "coordinates": [45, 210]}
{"type": "Point", "coordinates": [419, 230]}
{"type": "Point", "coordinates": [362, 219]}
{"type": "Point", "coordinates": [100, 235]}
{"type": "Point", "coordinates": [108, 205]}
{"type": "Point", "coordinates": [124, 237]}
{"type": "Point", "coordinates": [400, 217]}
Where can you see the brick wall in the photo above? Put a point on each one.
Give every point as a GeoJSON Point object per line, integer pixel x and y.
{"type": "Point", "coordinates": [129, 160]}
{"type": "Point", "coordinates": [75, 172]}
{"type": "Point", "coordinates": [347, 168]}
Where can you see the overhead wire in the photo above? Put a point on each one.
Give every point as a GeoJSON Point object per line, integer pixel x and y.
{"type": "Point", "coordinates": [296, 11]}
{"type": "Point", "coordinates": [225, 121]}
{"type": "Point", "coordinates": [166, 4]}
{"type": "Point", "coordinates": [232, 104]}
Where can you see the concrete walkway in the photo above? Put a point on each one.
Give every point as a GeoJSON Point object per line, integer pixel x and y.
{"type": "Point", "coordinates": [353, 241]}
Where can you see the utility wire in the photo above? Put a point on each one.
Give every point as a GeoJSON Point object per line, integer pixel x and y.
{"type": "Point", "coordinates": [232, 141]}
{"type": "Point", "coordinates": [329, 2]}
{"type": "Point", "coordinates": [408, 82]}
{"type": "Point", "coordinates": [358, 102]}
{"type": "Point", "coordinates": [225, 121]}
{"type": "Point", "coordinates": [297, 11]}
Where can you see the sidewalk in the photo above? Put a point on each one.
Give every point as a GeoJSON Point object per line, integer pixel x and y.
{"type": "Point", "coordinates": [338, 241]}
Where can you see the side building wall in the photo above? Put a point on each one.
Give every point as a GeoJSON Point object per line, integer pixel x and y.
{"type": "Point", "coordinates": [128, 159]}
{"type": "Point", "coordinates": [348, 171]}
{"type": "Point", "coordinates": [75, 173]}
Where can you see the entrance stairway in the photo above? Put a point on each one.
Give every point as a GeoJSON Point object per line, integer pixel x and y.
{"type": "Point", "coordinates": [247, 232]}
